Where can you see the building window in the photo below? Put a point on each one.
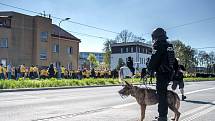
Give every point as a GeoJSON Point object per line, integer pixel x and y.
{"type": "Point", "coordinates": [126, 49]}
{"type": "Point", "coordinates": [3, 43]}
{"type": "Point", "coordinates": [139, 60]}
{"type": "Point", "coordinates": [142, 60]}
{"type": "Point", "coordinates": [132, 50]}
{"type": "Point", "coordinates": [44, 36]}
{"type": "Point", "coordinates": [5, 21]}
{"type": "Point", "coordinates": [43, 54]}
{"type": "Point", "coordinates": [69, 66]}
{"type": "Point", "coordinates": [55, 48]}
{"type": "Point", "coordinates": [121, 50]}
{"type": "Point", "coordinates": [69, 50]}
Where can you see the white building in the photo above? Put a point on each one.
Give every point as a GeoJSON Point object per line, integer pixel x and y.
{"type": "Point", "coordinates": [138, 51]}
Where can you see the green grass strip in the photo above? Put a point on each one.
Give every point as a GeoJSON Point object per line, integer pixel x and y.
{"type": "Point", "coordinates": [27, 83]}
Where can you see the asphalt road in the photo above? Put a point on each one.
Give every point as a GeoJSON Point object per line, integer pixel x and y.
{"type": "Point", "coordinates": [100, 104]}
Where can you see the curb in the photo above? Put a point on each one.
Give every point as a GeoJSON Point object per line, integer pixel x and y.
{"type": "Point", "coordinates": [56, 88]}
{"type": "Point", "coordinates": [51, 88]}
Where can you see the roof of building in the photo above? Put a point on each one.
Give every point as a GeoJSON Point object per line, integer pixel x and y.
{"type": "Point", "coordinates": [59, 32]}
{"type": "Point", "coordinates": [56, 30]}
{"type": "Point", "coordinates": [9, 13]}
{"type": "Point", "coordinates": [93, 52]}
{"type": "Point", "coordinates": [131, 43]}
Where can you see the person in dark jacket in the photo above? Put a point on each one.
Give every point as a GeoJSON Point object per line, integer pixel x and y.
{"type": "Point", "coordinates": [143, 75]}
{"type": "Point", "coordinates": [93, 73]}
{"type": "Point", "coordinates": [178, 78]}
{"type": "Point", "coordinates": [149, 72]}
{"type": "Point", "coordinates": [130, 65]}
{"type": "Point", "coordinates": [161, 62]}
{"type": "Point", "coordinates": [51, 71]}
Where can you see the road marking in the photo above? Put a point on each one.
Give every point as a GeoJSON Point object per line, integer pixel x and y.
{"type": "Point", "coordinates": [199, 114]}
{"type": "Point", "coordinates": [56, 118]}
{"type": "Point", "coordinates": [123, 105]}
{"type": "Point", "coordinates": [133, 103]}
{"type": "Point", "coordinates": [199, 108]}
{"type": "Point", "coordinates": [196, 109]}
{"type": "Point", "coordinates": [201, 90]}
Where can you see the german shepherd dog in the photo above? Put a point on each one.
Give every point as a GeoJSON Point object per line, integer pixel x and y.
{"type": "Point", "coordinates": [147, 96]}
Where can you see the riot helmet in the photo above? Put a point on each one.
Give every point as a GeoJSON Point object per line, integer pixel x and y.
{"type": "Point", "coordinates": [159, 34]}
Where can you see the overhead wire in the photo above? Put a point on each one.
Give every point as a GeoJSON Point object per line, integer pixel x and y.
{"type": "Point", "coordinates": [193, 22]}
{"type": "Point", "coordinates": [205, 48]}
{"type": "Point", "coordinates": [98, 28]}
{"type": "Point", "coordinates": [86, 25]}
{"type": "Point", "coordinates": [88, 35]}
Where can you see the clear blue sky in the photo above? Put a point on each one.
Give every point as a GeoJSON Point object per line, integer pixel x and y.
{"type": "Point", "coordinates": [137, 16]}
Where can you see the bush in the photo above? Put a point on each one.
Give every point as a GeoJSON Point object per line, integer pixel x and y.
{"type": "Point", "coordinates": [11, 84]}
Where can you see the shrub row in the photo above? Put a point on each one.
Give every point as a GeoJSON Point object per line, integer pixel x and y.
{"type": "Point", "coordinates": [27, 83]}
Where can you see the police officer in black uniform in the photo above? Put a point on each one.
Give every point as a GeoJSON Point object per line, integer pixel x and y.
{"type": "Point", "coordinates": [130, 64]}
{"type": "Point", "coordinates": [161, 62]}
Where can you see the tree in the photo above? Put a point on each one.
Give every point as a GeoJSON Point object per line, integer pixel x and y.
{"type": "Point", "coordinates": [186, 54]}
{"type": "Point", "coordinates": [212, 60]}
{"type": "Point", "coordinates": [107, 56]}
{"type": "Point", "coordinates": [206, 59]}
{"type": "Point", "coordinates": [189, 59]}
{"type": "Point", "coordinates": [125, 36]}
{"type": "Point", "coordinates": [107, 45]}
{"type": "Point", "coordinates": [92, 60]}
{"type": "Point", "coordinates": [107, 50]}
{"type": "Point", "coordinates": [212, 57]}
{"type": "Point", "coordinates": [201, 59]}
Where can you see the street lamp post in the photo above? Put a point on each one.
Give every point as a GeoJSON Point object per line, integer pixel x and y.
{"type": "Point", "coordinates": [58, 63]}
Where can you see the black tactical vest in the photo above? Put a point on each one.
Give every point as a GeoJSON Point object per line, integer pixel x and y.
{"type": "Point", "coordinates": [171, 55]}
{"type": "Point", "coordinates": [168, 60]}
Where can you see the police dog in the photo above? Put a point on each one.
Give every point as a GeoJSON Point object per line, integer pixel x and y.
{"type": "Point", "coordinates": [146, 96]}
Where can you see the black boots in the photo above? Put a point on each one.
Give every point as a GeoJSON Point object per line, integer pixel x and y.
{"type": "Point", "coordinates": [160, 118]}
{"type": "Point", "coordinates": [183, 97]}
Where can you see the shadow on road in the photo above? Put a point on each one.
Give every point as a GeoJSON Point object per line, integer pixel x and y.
{"type": "Point", "coordinates": [199, 102]}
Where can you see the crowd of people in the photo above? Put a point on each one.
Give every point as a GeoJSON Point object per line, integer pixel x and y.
{"type": "Point", "coordinates": [36, 72]}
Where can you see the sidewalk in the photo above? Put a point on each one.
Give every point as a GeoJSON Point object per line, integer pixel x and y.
{"type": "Point", "coordinates": [50, 88]}
{"type": "Point", "coordinates": [55, 88]}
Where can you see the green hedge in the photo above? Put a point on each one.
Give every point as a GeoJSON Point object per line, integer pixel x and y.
{"type": "Point", "coordinates": [27, 83]}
